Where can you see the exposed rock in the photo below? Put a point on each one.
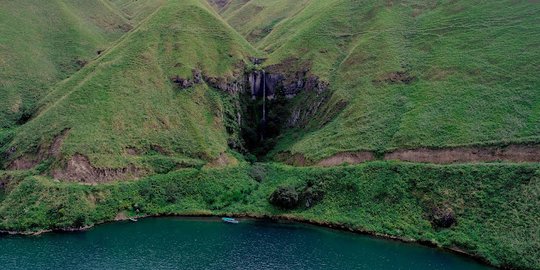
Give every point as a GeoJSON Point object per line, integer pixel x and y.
{"type": "Point", "coordinates": [79, 169]}
{"type": "Point", "coordinates": [284, 76]}
{"type": "Point", "coordinates": [264, 83]}
{"type": "Point", "coordinates": [121, 216]}
{"type": "Point", "coordinates": [229, 85]}
{"type": "Point", "coordinates": [256, 61]}
{"type": "Point", "coordinates": [311, 107]}
{"type": "Point", "coordinates": [197, 76]}
{"type": "Point", "coordinates": [284, 197]}
{"type": "Point", "coordinates": [181, 82]}
{"type": "Point", "coordinates": [442, 217]}
{"type": "Point", "coordinates": [57, 143]}
{"type": "Point", "coordinates": [25, 162]}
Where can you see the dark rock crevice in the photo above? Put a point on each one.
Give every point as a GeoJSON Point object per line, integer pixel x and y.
{"type": "Point", "coordinates": [231, 85]}
{"type": "Point", "coordinates": [264, 101]}
{"type": "Point", "coordinates": [270, 102]}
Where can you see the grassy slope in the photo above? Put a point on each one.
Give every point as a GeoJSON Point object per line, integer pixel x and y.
{"type": "Point", "coordinates": [497, 206]}
{"type": "Point", "coordinates": [475, 64]}
{"type": "Point", "coordinates": [41, 41]}
{"type": "Point", "coordinates": [125, 98]}
{"type": "Point", "coordinates": [136, 10]}
{"type": "Point", "coordinates": [459, 55]}
{"type": "Point", "coordinates": [255, 19]}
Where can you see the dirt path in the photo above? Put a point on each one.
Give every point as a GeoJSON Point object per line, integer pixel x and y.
{"type": "Point", "coordinates": [512, 153]}
{"type": "Point", "coordinates": [472, 154]}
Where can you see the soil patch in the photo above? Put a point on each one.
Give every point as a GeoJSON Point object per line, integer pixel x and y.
{"type": "Point", "coordinates": [29, 161]}
{"type": "Point", "coordinates": [79, 169]}
{"type": "Point", "coordinates": [294, 159]}
{"type": "Point", "coordinates": [346, 158]}
{"type": "Point", "coordinates": [512, 153]}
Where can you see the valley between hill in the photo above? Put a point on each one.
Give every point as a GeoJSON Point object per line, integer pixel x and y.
{"type": "Point", "coordinates": [418, 120]}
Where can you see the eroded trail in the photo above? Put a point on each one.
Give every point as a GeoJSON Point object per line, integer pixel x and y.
{"type": "Point", "coordinates": [466, 154]}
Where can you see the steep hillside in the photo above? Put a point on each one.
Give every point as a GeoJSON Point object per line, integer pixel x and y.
{"type": "Point", "coordinates": [43, 42]}
{"type": "Point", "coordinates": [185, 97]}
{"type": "Point", "coordinates": [414, 74]}
{"type": "Point", "coordinates": [143, 106]}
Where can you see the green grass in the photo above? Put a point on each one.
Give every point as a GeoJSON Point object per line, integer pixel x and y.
{"type": "Point", "coordinates": [475, 65]}
{"type": "Point", "coordinates": [126, 98]}
{"type": "Point", "coordinates": [256, 18]}
{"type": "Point", "coordinates": [497, 206]}
{"type": "Point", "coordinates": [41, 42]}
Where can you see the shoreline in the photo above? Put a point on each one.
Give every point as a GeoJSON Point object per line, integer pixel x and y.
{"type": "Point", "coordinates": [274, 218]}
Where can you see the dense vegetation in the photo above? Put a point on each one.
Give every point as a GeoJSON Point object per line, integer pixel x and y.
{"type": "Point", "coordinates": [496, 206]}
{"type": "Point", "coordinates": [147, 84]}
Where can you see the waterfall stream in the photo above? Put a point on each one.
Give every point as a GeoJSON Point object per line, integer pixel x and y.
{"type": "Point", "coordinates": [264, 105]}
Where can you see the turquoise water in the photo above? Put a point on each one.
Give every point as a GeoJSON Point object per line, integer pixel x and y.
{"type": "Point", "coordinates": [180, 243]}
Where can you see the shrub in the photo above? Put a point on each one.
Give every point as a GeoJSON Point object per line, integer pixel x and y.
{"type": "Point", "coordinates": [284, 197]}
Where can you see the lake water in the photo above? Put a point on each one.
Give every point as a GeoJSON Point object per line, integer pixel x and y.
{"type": "Point", "coordinates": [184, 243]}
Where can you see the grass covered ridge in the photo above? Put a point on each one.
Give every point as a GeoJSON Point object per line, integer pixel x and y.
{"type": "Point", "coordinates": [125, 99]}
{"type": "Point", "coordinates": [414, 74]}
{"type": "Point", "coordinates": [496, 205]}
{"type": "Point", "coordinates": [44, 42]}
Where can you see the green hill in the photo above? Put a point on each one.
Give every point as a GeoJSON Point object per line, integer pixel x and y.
{"type": "Point", "coordinates": [44, 42]}
{"type": "Point", "coordinates": [256, 19]}
{"type": "Point", "coordinates": [125, 104]}
{"type": "Point", "coordinates": [198, 102]}
{"type": "Point", "coordinates": [414, 74]}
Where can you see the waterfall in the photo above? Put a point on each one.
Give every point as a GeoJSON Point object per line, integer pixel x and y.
{"type": "Point", "coordinates": [263, 123]}
{"type": "Point", "coordinates": [264, 96]}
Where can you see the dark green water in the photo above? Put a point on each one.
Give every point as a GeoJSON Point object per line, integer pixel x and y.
{"type": "Point", "coordinates": [179, 243]}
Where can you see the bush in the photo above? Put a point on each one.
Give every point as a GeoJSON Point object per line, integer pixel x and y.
{"type": "Point", "coordinates": [442, 217]}
{"type": "Point", "coordinates": [284, 197]}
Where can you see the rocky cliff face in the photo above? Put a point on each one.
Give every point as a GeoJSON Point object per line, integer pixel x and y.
{"type": "Point", "coordinates": [230, 85]}
{"type": "Point", "coordinates": [264, 84]}
{"type": "Point", "coordinates": [267, 101]}
{"type": "Point", "coordinates": [290, 84]}
{"type": "Point", "coordinates": [281, 96]}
